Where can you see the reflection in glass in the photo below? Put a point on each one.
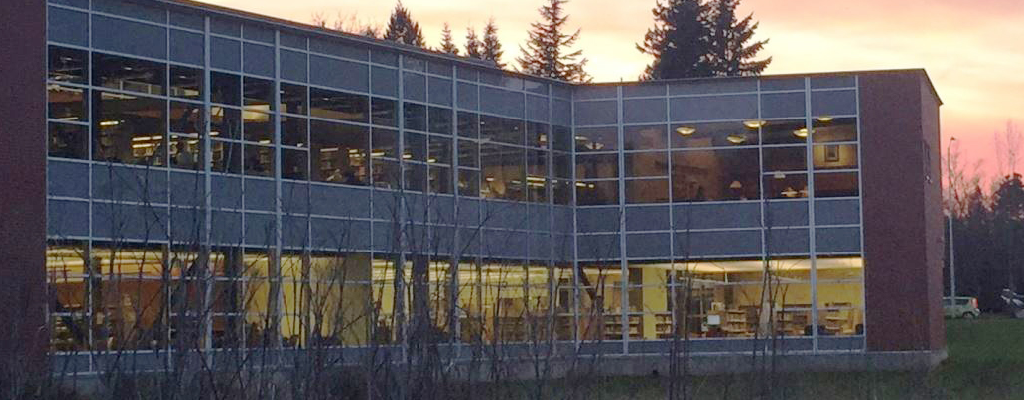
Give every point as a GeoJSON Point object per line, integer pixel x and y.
{"type": "Point", "coordinates": [415, 147]}
{"type": "Point", "coordinates": [293, 99]}
{"type": "Point", "coordinates": [715, 175]}
{"type": "Point", "coordinates": [785, 185]}
{"type": "Point", "coordinates": [597, 139]}
{"type": "Point", "coordinates": [834, 130]}
{"type": "Point", "coordinates": [66, 103]}
{"type": "Point", "coordinates": [650, 163]}
{"type": "Point", "coordinates": [68, 65]}
{"type": "Point", "coordinates": [592, 166]}
{"type": "Point", "coordinates": [595, 193]}
{"type": "Point", "coordinates": [259, 160]}
{"type": "Point", "coordinates": [384, 112]}
{"type": "Point", "coordinates": [339, 152]}
{"type": "Point", "coordinates": [641, 191]}
{"type": "Point", "coordinates": [225, 88]}
{"type": "Point", "coordinates": [440, 120]}
{"type": "Point", "coordinates": [836, 184]}
{"type": "Point", "coordinates": [415, 117]}
{"type": "Point", "coordinates": [502, 130]}
{"type": "Point", "coordinates": [68, 141]}
{"type": "Point", "coordinates": [341, 106]}
{"type": "Point", "coordinates": [128, 129]}
{"type": "Point", "coordinates": [468, 125]}
{"type": "Point", "coordinates": [186, 83]}
{"type": "Point", "coordinates": [294, 132]}
{"type": "Point", "coordinates": [645, 137]}
{"type": "Point", "coordinates": [439, 150]}
{"type": "Point", "coordinates": [128, 74]}
{"type": "Point", "coordinates": [785, 131]}
{"type": "Point", "coordinates": [561, 138]}
{"type": "Point", "coordinates": [715, 134]}
{"type": "Point", "coordinates": [785, 158]}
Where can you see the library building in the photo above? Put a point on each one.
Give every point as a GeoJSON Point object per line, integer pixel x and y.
{"type": "Point", "coordinates": [183, 176]}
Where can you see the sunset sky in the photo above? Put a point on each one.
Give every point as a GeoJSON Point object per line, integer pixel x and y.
{"type": "Point", "coordinates": [973, 50]}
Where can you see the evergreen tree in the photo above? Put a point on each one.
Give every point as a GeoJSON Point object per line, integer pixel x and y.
{"type": "Point", "coordinates": [679, 41]}
{"type": "Point", "coordinates": [543, 54]}
{"type": "Point", "coordinates": [403, 29]}
{"type": "Point", "coordinates": [730, 53]}
{"type": "Point", "coordinates": [447, 44]}
{"type": "Point", "coordinates": [491, 47]}
{"type": "Point", "coordinates": [474, 48]}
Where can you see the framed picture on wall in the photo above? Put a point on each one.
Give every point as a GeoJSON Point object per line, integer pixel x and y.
{"type": "Point", "coordinates": [832, 153]}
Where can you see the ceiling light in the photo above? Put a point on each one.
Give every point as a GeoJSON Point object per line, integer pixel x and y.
{"type": "Point", "coordinates": [779, 175]}
{"type": "Point", "coordinates": [801, 133]}
{"type": "Point", "coordinates": [489, 179]}
{"type": "Point", "coordinates": [789, 192]}
{"type": "Point", "coordinates": [735, 185]}
{"type": "Point", "coordinates": [754, 124]}
{"type": "Point", "coordinates": [736, 139]}
{"type": "Point", "coordinates": [825, 119]}
{"type": "Point", "coordinates": [686, 130]}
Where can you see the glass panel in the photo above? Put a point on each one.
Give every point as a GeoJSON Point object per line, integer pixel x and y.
{"type": "Point", "coordinates": [835, 156]}
{"type": "Point", "coordinates": [649, 303]}
{"type": "Point", "coordinates": [561, 190]}
{"type": "Point", "coordinates": [69, 141]}
{"type": "Point", "coordinates": [384, 112]}
{"type": "Point", "coordinates": [784, 131]}
{"type": "Point", "coordinates": [186, 151]}
{"type": "Point", "coordinates": [597, 193]}
{"type": "Point", "coordinates": [226, 156]}
{"type": "Point", "coordinates": [294, 132]}
{"type": "Point", "coordinates": [128, 74]}
{"type": "Point", "coordinates": [469, 182]}
{"type": "Point", "coordinates": [838, 184]}
{"type": "Point", "coordinates": [562, 138]}
{"type": "Point", "coordinates": [646, 164]}
{"type": "Point", "coordinates": [785, 186]}
{"type": "Point", "coordinates": [440, 179]}
{"type": "Point", "coordinates": [439, 150]}
{"type": "Point", "coordinates": [597, 139]}
{"type": "Point", "coordinates": [415, 117]}
{"type": "Point", "coordinates": [592, 166]}
{"type": "Point", "coordinates": [645, 137]}
{"type": "Point", "coordinates": [386, 173]}
{"type": "Point", "coordinates": [723, 174]}
{"type": "Point", "coordinates": [468, 153]}
{"type": "Point", "coordinates": [67, 103]}
{"type": "Point", "coordinates": [186, 118]}
{"type": "Point", "coordinates": [67, 273]}
{"type": "Point", "coordinates": [225, 123]}
{"type": "Point", "coordinates": [504, 171]}
{"type": "Point", "coordinates": [258, 127]}
{"type": "Point", "coordinates": [339, 152]}
{"type": "Point", "coordinates": [536, 175]}
{"type": "Point", "coordinates": [502, 130]}
{"type": "Point", "coordinates": [415, 177]}
{"type": "Point", "coordinates": [561, 165]}
{"type": "Point", "coordinates": [293, 99]}
{"type": "Point", "coordinates": [186, 83]}
{"type": "Point", "coordinates": [785, 158]}
{"type": "Point", "coordinates": [440, 120]}
{"type": "Point", "coordinates": [600, 308]}
{"type": "Point", "coordinates": [415, 147]}
{"type": "Point", "coordinates": [835, 130]}
{"type": "Point", "coordinates": [129, 129]}
{"type": "Point", "coordinates": [337, 105]}
{"type": "Point", "coordinates": [68, 65]}
{"type": "Point", "coordinates": [715, 134]}
{"type": "Point", "coordinates": [294, 164]}
{"type": "Point", "coordinates": [538, 134]}
{"type": "Point", "coordinates": [469, 125]}
{"type": "Point", "coordinates": [225, 88]}
{"type": "Point", "coordinates": [259, 160]}
{"type": "Point", "coordinates": [258, 94]}
{"type": "Point", "coordinates": [639, 191]}
{"type": "Point", "coordinates": [385, 143]}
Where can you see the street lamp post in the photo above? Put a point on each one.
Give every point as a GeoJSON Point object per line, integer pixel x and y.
{"type": "Point", "coordinates": [949, 167]}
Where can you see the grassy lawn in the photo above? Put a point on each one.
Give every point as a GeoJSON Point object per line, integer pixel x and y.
{"type": "Point", "coordinates": [986, 361]}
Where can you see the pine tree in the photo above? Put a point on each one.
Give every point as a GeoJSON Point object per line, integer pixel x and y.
{"type": "Point", "coordinates": [543, 53]}
{"type": "Point", "coordinates": [679, 41]}
{"type": "Point", "coordinates": [491, 49]}
{"type": "Point", "coordinates": [447, 44]}
{"type": "Point", "coordinates": [730, 54]}
{"type": "Point", "coordinates": [403, 29]}
{"type": "Point", "coordinates": [474, 48]}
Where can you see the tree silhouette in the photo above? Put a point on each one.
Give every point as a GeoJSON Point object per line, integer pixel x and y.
{"type": "Point", "coordinates": [403, 29]}
{"type": "Point", "coordinates": [678, 41]}
{"type": "Point", "coordinates": [543, 54]}
{"type": "Point", "coordinates": [474, 48]}
{"type": "Point", "coordinates": [491, 49]}
{"type": "Point", "coordinates": [731, 55]}
{"type": "Point", "coordinates": [447, 44]}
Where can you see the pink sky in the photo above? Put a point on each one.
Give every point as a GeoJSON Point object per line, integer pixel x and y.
{"type": "Point", "coordinates": [973, 50]}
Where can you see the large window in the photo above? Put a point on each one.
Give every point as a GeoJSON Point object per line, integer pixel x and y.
{"type": "Point", "coordinates": [338, 105]}
{"type": "Point", "coordinates": [129, 129]}
{"type": "Point", "coordinates": [715, 175]}
{"type": "Point", "coordinates": [128, 74]}
{"type": "Point", "coordinates": [339, 152]}
{"type": "Point", "coordinates": [716, 134]}
{"type": "Point", "coordinates": [504, 172]}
